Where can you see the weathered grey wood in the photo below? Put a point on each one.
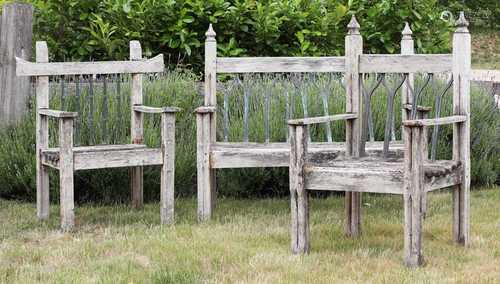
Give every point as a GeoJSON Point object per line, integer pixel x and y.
{"type": "Point", "coordinates": [26, 68]}
{"type": "Point", "coordinates": [280, 64]}
{"type": "Point", "coordinates": [210, 133]}
{"type": "Point", "coordinates": [118, 158]}
{"type": "Point", "coordinates": [354, 142]}
{"type": "Point", "coordinates": [257, 155]}
{"type": "Point", "coordinates": [424, 109]}
{"type": "Point", "coordinates": [354, 180]}
{"type": "Point", "coordinates": [415, 257]}
{"type": "Point", "coordinates": [461, 133]}
{"type": "Point", "coordinates": [136, 128]}
{"type": "Point", "coordinates": [148, 109]}
{"type": "Point", "coordinates": [203, 166]}
{"type": "Point", "coordinates": [484, 75]}
{"type": "Point", "coordinates": [206, 109]}
{"type": "Point", "coordinates": [168, 168]}
{"type": "Point", "coordinates": [435, 121]}
{"type": "Point", "coordinates": [294, 246]}
{"type": "Point", "coordinates": [15, 41]}
{"type": "Point", "coordinates": [322, 119]}
{"type": "Point", "coordinates": [66, 170]}
{"type": "Point", "coordinates": [407, 192]}
{"type": "Point", "coordinates": [438, 182]}
{"type": "Point", "coordinates": [395, 63]}
{"type": "Point", "coordinates": [57, 113]}
{"type": "Point", "coordinates": [298, 159]}
{"type": "Point", "coordinates": [407, 48]}
{"type": "Point", "coordinates": [42, 135]}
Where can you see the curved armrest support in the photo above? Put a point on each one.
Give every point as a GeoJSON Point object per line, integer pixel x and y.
{"type": "Point", "coordinates": [57, 113]}
{"type": "Point", "coordinates": [435, 121]}
{"type": "Point", "coordinates": [322, 119]}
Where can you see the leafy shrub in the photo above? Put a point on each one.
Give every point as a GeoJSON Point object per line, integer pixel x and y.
{"type": "Point", "coordinates": [95, 126]}
{"type": "Point", "coordinates": [101, 29]}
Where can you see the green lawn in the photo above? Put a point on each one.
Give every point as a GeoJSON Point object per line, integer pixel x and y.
{"type": "Point", "coordinates": [247, 241]}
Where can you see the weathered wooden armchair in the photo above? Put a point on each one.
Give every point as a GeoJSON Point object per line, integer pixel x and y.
{"type": "Point", "coordinates": [412, 174]}
{"type": "Point", "coordinates": [213, 154]}
{"type": "Point", "coordinates": [67, 158]}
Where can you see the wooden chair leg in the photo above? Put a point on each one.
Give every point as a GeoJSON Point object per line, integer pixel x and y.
{"type": "Point", "coordinates": [167, 169]}
{"type": "Point", "coordinates": [413, 197]}
{"type": "Point", "coordinates": [42, 173]}
{"type": "Point", "coordinates": [299, 198]}
{"type": "Point", "coordinates": [461, 214]}
{"type": "Point", "coordinates": [353, 213]}
{"type": "Point", "coordinates": [66, 171]}
{"type": "Point", "coordinates": [205, 174]}
{"type": "Point", "coordinates": [136, 186]}
{"type": "Point", "coordinates": [42, 191]}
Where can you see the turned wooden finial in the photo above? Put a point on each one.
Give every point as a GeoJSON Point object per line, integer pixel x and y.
{"type": "Point", "coordinates": [407, 31]}
{"type": "Point", "coordinates": [353, 26]}
{"type": "Point", "coordinates": [462, 24]}
{"type": "Point", "coordinates": [210, 34]}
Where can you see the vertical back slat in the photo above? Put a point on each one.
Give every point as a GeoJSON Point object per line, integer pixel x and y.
{"type": "Point", "coordinates": [267, 106]}
{"type": "Point", "coordinates": [226, 90]}
{"type": "Point", "coordinates": [104, 123]}
{"type": "Point", "coordinates": [78, 109]}
{"type": "Point", "coordinates": [324, 97]}
{"type": "Point", "coordinates": [246, 94]}
{"type": "Point", "coordinates": [90, 98]}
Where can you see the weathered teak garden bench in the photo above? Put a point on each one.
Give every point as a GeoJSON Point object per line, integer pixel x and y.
{"type": "Point", "coordinates": [213, 154]}
{"type": "Point", "coordinates": [67, 158]}
{"type": "Point", "coordinates": [412, 174]}
{"type": "Point", "coordinates": [360, 164]}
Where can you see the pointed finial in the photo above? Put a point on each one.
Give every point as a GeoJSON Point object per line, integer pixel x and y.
{"type": "Point", "coordinates": [353, 26]}
{"type": "Point", "coordinates": [462, 24]}
{"type": "Point", "coordinates": [407, 31]}
{"type": "Point", "coordinates": [210, 34]}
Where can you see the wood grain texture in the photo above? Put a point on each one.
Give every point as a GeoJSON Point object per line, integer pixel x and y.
{"type": "Point", "coordinates": [322, 119]}
{"type": "Point", "coordinates": [168, 168]}
{"type": "Point", "coordinates": [355, 145]}
{"type": "Point", "coordinates": [461, 133]}
{"type": "Point", "coordinates": [252, 155]}
{"type": "Point", "coordinates": [66, 174]}
{"type": "Point", "coordinates": [42, 135]}
{"type": "Point", "coordinates": [280, 64]}
{"type": "Point", "coordinates": [396, 63]}
{"type": "Point", "coordinates": [435, 121]}
{"type": "Point", "coordinates": [15, 41]}
{"type": "Point", "coordinates": [26, 68]}
{"type": "Point", "coordinates": [205, 185]}
{"type": "Point", "coordinates": [57, 113]}
{"type": "Point", "coordinates": [149, 109]}
{"type": "Point", "coordinates": [484, 75]}
{"type": "Point", "coordinates": [300, 206]}
{"type": "Point", "coordinates": [136, 127]}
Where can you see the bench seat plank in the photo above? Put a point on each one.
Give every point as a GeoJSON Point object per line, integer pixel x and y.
{"type": "Point", "coordinates": [250, 155]}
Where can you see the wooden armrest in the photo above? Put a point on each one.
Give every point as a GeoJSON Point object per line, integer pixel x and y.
{"type": "Point", "coordinates": [148, 109]}
{"type": "Point", "coordinates": [435, 121]}
{"type": "Point", "coordinates": [57, 113]}
{"type": "Point", "coordinates": [205, 109]}
{"type": "Point", "coordinates": [419, 108]}
{"type": "Point", "coordinates": [322, 119]}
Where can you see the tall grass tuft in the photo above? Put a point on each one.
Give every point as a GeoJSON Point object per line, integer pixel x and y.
{"type": "Point", "coordinates": [104, 118]}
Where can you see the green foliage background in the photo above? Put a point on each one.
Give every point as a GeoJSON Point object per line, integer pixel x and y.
{"type": "Point", "coordinates": [101, 29]}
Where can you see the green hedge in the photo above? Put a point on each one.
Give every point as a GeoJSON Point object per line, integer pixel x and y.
{"type": "Point", "coordinates": [94, 126]}
{"type": "Point", "coordinates": [101, 29]}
